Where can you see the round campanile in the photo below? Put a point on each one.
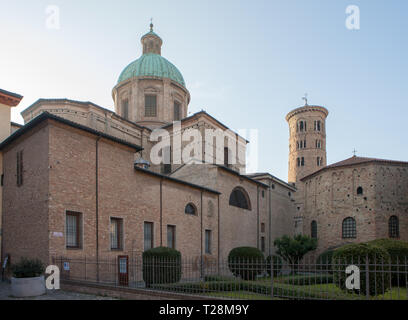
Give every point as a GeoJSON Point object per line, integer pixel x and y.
{"type": "Point", "coordinates": [307, 141]}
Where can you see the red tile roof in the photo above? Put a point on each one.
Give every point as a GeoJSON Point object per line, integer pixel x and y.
{"type": "Point", "coordinates": [355, 161]}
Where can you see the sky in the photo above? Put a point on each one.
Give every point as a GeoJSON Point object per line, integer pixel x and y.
{"type": "Point", "coordinates": [247, 63]}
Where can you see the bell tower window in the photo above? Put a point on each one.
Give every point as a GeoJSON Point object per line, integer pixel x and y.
{"type": "Point", "coordinates": [150, 106]}
{"type": "Point", "coordinates": [317, 125]}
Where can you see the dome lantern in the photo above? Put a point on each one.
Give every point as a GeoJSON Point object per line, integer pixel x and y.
{"type": "Point", "coordinates": [151, 42]}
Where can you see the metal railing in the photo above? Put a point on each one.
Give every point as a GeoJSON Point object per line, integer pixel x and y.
{"type": "Point", "coordinates": [355, 279]}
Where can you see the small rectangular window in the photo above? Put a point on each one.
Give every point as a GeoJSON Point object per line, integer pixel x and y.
{"type": "Point", "coordinates": [171, 237]}
{"type": "Point", "coordinates": [125, 108]}
{"type": "Point", "coordinates": [150, 106]}
{"type": "Point", "coordinates": [20, 168]}
{"type": "Point", "coordinates": [116, 234]}
{"type": "Point", "coordinates": [148, 236]}
{"type": "Point", "coordinates": [177, 111]}
{"type": "Point", "coordinates": [263, 244]}
{"type": "Point", "coordinates": [208, 241]}
{"type": "Point", "coordinates": [262, 227]}
{"type": "Point", "coordinates": [73, 230]}
{"type": "Point", "coordinates": [226, 157]}
{"type": "Point", "coordinates": [166, 165]}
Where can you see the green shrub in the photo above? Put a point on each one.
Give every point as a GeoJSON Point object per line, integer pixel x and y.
{"type": "Point", "coordinates": [246, 262]}
{"type": "Point", "coordinates": [324, 261]}
{"type": "Point", "coordinates": [307, 279]}
{"type": "Point", "coordinates": [218, 278]}
{"type": "Point", "coordinates": [277, 265]}
{"type": "Point", "coordinates": [161, 265]}
{"type": "Point", "coordinates": [28, 268]}
{"type": "Point", "coordinates": [360, 254]}
{"type": "Point", "coordinates": [398, 251]}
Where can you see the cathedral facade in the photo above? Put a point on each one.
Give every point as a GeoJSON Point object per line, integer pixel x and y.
{"type": "Point", "coordinates": [80, 180]}
{"type": "Point", "coordinates": [88, 185]}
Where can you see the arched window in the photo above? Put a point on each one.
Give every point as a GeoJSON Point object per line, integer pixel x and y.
{"type": "Point", "coordinates": [301, 126]}
{"type": "Point", "coordinates": [239, 198]}
{"type": "Point", "coordinates": [349, 230]}
{"type": "Point", "coordinates": [359, 191]}
{"type": "Point", "coordinates": [313, 227]}
{"type": "Point", "coordinates": [190, 209]}
{"type": "Point", "coordinates": [393, 227]}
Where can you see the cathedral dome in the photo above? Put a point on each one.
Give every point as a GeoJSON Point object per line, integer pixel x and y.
{"type": "Point", "coordinates": [153, 65]}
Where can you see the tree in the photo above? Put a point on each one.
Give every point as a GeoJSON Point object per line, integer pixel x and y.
{"type": "Point", "coordinates": [292, 250]}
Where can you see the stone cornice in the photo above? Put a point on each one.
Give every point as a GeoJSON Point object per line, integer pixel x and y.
{"type": "Point", "coordinates": [307, 109]}
{"type": "Point", "coordinates": [9, 98]}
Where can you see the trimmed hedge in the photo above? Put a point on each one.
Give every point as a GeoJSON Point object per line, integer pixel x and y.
{"type": "Point", "coordinates": [281, 290]}
{"type": "Point", "coordinates": [161, 265]}
{"type": "Point", "coordinates": [277, 265]}
{"type": "Point", "coordinates": [324, 261]}
{"type": "Point", "coordinates": [28, 268]}
{"type": "Point", "coordinates": [398, 251]}
{"type": "Point", "coordinates": [246, 262]}
{"type": "Point", "coordinates": [307, 280]}
{"type": "Point", "coordinates": [360, 254]}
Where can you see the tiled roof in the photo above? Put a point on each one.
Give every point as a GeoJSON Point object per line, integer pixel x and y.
{"type": "Point", "coordinates": [45, 115]}
{"type": "Point", "coordinates": [152, 65]}
{"type": "Point", "coordinates": [355, 161]}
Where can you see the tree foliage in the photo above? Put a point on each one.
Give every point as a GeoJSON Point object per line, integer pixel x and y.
{"type": "Point", "coordinates": [292, 250]}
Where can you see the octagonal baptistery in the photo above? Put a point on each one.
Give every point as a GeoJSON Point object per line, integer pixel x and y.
{"type": "Point", "coordinates": [151, 91]}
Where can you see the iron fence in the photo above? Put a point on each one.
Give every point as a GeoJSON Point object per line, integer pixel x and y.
{"type": "Point", "coordinates": [357, 278]}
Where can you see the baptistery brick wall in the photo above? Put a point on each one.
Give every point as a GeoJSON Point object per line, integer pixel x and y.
{"type": "Point", "coordinates": [331, 196]}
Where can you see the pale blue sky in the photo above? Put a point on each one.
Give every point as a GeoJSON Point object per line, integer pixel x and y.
{"type": "Point", "coordinates": [247, 63]}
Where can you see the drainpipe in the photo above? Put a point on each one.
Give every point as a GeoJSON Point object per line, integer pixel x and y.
{"type": "Point", "coordinates": [218, 232]}
{"type": "Point", "coordinates": [97, 204]}
{"type": "Point", "coordinates": [201, 238]}
{"type": "Point", "coordinates": [257, 217]}
{"type": "Point", "coordinates": [270, 218]}
{"type": "Point", "coordinates": [161, 212]}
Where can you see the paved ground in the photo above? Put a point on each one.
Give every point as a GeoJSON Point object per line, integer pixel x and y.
{"type": "Point", "coordinates": [5, 294]}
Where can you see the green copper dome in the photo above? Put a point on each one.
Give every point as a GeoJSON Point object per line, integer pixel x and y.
{"type": "Point", "coordinates": [154, 65]}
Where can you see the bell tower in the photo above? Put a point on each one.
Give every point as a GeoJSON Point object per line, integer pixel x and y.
{"type": "Point", "coordinates": [307, 141]}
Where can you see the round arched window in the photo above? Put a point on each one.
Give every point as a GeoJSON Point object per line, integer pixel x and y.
{"type": "Point", "coordinates": [313, 227]}
{"type": "Point", "coordinates": [393, 227]}
{"type": "Point", "coordinates": [190, 209]}
{"type": "Point", "coordinates": [349, 229]}
{"type": "Point", "coordinates": [239, 198]}
{"type": "Point", "coordinates": [360, 191]}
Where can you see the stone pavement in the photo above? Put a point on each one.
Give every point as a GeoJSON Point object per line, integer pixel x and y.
{"type": "Point", "coordinates": [5, 294]}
